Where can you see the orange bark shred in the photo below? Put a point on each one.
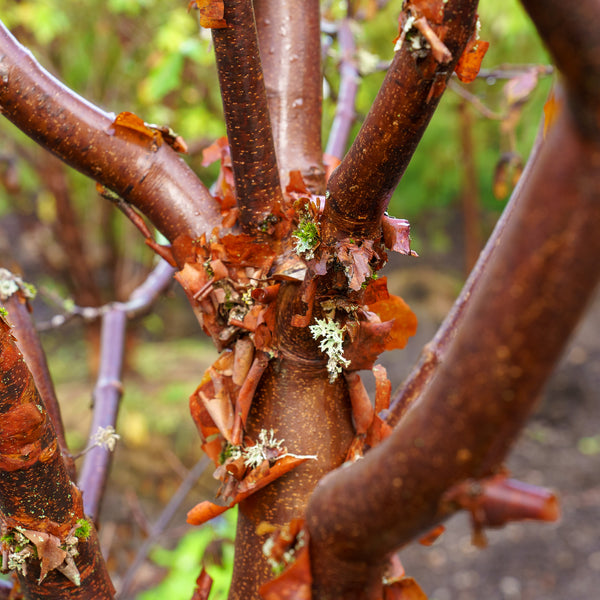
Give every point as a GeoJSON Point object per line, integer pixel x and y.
{"type": "Point", "coordinates": [405, 321]}
{"type": "Point", "coordinates": [469, 63]}
{"type": "Point", "coordinates": [212, 13]}
{"type": "Point", "coordinates": [204, 511]}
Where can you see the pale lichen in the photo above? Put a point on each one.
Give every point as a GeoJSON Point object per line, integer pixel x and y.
{"type": "Point", "coordinates": [10, 284]}
{"type": "Point", "coordinates": [331, 344]}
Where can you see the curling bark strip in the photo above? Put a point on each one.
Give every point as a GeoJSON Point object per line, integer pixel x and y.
{"type": "Point", "coordinates": [247, 117]}
{"type": "Point", "coordinates": [36, 492]}
{"type": "Point", "coordinates": [361, 187]}
{"type": "Point", "coordinates": [289, 36]}
{"type": "Point", "coordinates": [518, 319]}
{"type": "Point", "coordinates": [151, 177]}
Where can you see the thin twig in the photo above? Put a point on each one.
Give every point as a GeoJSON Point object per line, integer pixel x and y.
{"type": "Point", "coordinates": [163, 520]}
{"type": "Point", "coordinates": [140, 300]}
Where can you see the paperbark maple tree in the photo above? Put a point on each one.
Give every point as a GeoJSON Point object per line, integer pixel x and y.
{"type": "Point", "coordinates": [279, 264]}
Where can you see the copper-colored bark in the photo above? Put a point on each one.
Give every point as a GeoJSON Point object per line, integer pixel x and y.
{"type": "Point", "coordinates": [290, 45]}
{"type": "Point", "coordinates": [30, 346]}
{"type": "Point", "coordinates": [247, 116]}
{"type": "Point", "coordinates": [361, 187]}
{"type": "Point", "coordinates": [153, 178]}
{"type": "Point", "coordinates": [519, 317]}
{"type": "Point", "coordinates": [435, 351]}
{"type": "Point", "coordinates": [36, 492]}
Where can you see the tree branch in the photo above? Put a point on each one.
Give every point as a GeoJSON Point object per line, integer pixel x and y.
{"type": "Point", "coordinates": [564, 28]}
{"type": "Point", "coordinates": [528, 301]}
{"type": "Point", "coordinates": [149, 175]}
{"type": "Point", "coordinates": [36, 493]}
{"type": "Point", "coordinates": [29, 344]}
{"type": "Point", "coordinates": [360, 188]}
{"type": "Point", "coordinates": [349, 79]}
{"type": "Point", "coordinates": [107, 398]}
{"type": "Point", "coordinates": [290, 44]}
{"type": "Point", "coordinates": [434, 352]}
{"type": "Point", "coordinates": [247, 116]}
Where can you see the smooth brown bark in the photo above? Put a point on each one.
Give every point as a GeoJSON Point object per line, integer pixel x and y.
{"type": "Point", "coordinates": [150, 176]}
{"type": "Point", "coordinates": [435, 351]}
{"type": "Point", "coordinates": [528, 300]}
{"type": "Point", "coordinates": [290, 45]}
{"type": "Point", "coordinates": [36, 492]}
{"type": "Point", "coordinates": [247, 117]}
{"type": "Point", "coordinates": [361, 187]}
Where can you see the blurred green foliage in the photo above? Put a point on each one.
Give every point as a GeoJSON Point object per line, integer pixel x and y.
{"type": "Point", "coordinates": [152, 59]}
{"type": "Point", "coordinates": [210, 545]}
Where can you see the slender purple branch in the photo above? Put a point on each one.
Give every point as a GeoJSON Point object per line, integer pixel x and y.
{"type": "Point", "coordinates": [107, 397]}
{"type": "Point", "coordinates": [345, 113]}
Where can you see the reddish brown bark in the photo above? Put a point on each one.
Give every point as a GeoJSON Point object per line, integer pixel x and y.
{"type": "Point", "coordinates": [150, 176]}
{"type": "Point", "coordinates": [435, 351]}
{"type": "Point", "coordinates": [361, 187]}
{"type": "Point", "coordinates": [290, 45]}
{"type": "Point", "coordinates": [247, 117]}
{"type": "Point", "coordinates": [519, 317]}
{"type": "Point", "coordinates": [36, 492]}
{"type": "Point", "coordinates": [30, 346]}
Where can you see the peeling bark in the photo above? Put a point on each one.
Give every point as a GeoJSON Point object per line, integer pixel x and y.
{"type": "Point", "coordinates": [36, 492]}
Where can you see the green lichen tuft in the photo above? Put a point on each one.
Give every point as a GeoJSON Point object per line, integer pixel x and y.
{"type": "Point", "coordinates": [307, 237]}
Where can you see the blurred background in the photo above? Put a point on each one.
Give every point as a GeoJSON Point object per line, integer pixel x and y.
{"type": "Point", "coordinates": [148, 57]}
